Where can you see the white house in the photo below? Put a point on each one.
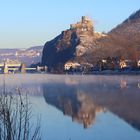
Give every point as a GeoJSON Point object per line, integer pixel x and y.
{"type": "Point", "coordinates": [69, 65]}
{"type": "Point", "coordinates": [125, 64]}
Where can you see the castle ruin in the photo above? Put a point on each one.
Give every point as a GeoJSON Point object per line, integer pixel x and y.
{"type": "Point", "coordinates": [84, 25]}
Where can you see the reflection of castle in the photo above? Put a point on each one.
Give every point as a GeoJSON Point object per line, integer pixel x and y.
{"type": "Point", "coordinates": [79, 106]}
{"type": "Point", "coordinates": [83, 101]}
{"type": "Point", "coordinates": [87, 111]}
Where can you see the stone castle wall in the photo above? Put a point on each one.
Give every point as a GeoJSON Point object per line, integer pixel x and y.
{"type": "Point", "coordinates": [84, 25]}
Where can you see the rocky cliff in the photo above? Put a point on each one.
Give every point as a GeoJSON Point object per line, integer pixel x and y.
{"type": "Point", "coordinates": [73, 44]}
{"type": "Point", "coordinates": [82, 44]}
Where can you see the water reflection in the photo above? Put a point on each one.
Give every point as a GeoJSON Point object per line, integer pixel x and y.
{"type": "Point", "coordinates": [83, 101]}
{"type": "Point", "coordinates": [82, 98]}
{"type": "Point", "coordinates": [72, 102]}
{"type": "Point", "coordinates": [123, 84]}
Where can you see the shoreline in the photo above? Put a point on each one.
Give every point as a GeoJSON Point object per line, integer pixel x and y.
{"type": "Point", "coordinates": [105, 72]}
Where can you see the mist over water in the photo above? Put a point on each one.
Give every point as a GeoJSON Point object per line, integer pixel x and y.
{"type": "Point", "coordinates": [81, 106]}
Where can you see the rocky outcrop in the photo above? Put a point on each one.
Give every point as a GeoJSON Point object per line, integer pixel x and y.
{"type": "Point", "coordinates": [59, 50]}
{"type": "Point", "coordinates": [82, 44]}
{"type": "Point", "coordinates": [71, 44]}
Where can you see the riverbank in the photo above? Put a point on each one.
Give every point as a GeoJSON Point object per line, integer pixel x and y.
{"type": "Point", "coordinates": [106, 72]}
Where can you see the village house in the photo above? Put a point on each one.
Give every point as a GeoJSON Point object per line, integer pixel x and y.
{"type": "Point", "coordinates": [125, 64]}
{"type": "Point", "coordinates": [70, 65]}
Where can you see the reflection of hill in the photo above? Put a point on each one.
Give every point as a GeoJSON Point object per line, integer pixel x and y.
{"type": "Point", "coordinates": [124, 103]}
{"type": "Point", "coordinates": [83, 101]}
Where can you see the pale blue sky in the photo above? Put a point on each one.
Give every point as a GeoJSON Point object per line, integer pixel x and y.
{"type": "Point", "coordinates": [26, 23]}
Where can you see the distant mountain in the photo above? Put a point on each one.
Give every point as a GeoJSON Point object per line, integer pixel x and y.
{"type": "Point", "coordinates": [27, 56]}
{"type": "Point", "coordinates": [35, 48]}
{"type": "Point", "coordinates": [8, 50]}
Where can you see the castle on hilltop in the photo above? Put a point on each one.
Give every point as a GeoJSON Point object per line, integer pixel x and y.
{"type": "Point", "coordinates": [84, 25]}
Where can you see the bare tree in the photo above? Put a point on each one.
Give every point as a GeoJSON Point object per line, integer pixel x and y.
{"type": "Point", "coordinates": [15, 118]}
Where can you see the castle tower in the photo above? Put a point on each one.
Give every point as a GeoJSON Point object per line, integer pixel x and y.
{"type": "Point", "coordinates": [84, 18]}
{"type": "Point", "coordinates": [85, 25]}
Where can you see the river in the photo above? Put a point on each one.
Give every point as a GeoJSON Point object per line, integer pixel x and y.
{"type": "Point", "coordinates": [81, 107]}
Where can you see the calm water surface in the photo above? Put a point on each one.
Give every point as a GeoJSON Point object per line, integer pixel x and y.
{"type": "Point", "coordinates": [82, 107]}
